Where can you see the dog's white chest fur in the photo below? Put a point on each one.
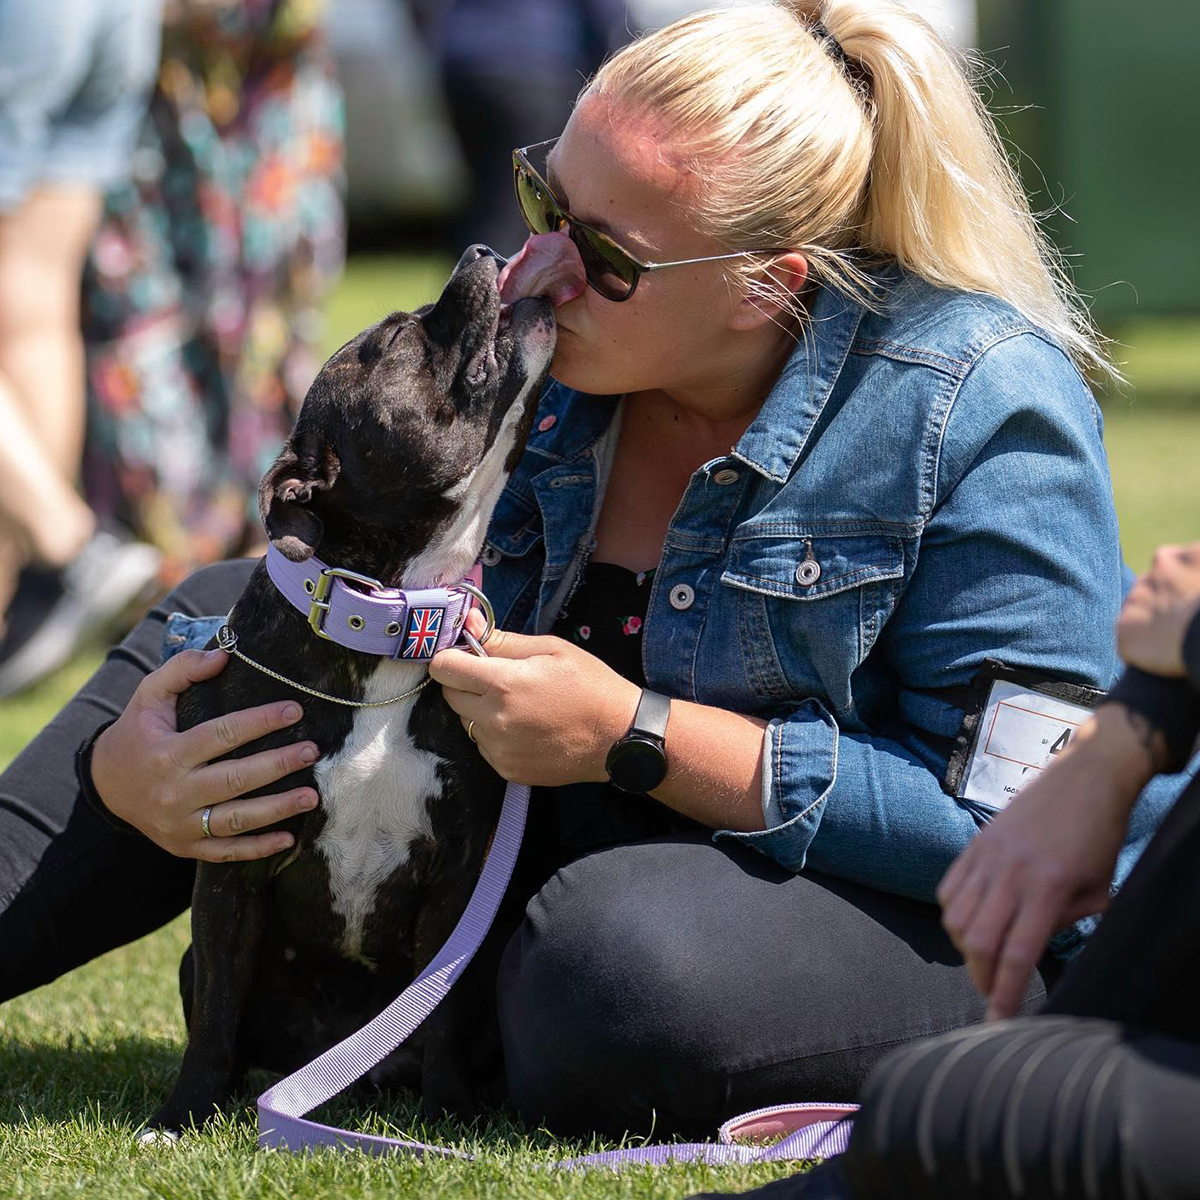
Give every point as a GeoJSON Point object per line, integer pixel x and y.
{"type": "Point", "coordinates": [375, 793]}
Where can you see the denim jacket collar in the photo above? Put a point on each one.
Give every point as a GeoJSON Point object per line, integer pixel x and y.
{"type": "Point", "coordinates": [778, 434]}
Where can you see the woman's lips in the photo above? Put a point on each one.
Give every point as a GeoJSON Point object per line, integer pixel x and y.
{"type": "Point", "coordinates": [547, 265]}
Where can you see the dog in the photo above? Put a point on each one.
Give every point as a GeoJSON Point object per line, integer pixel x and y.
{"type": "Point", "coordinates": [397, 458]}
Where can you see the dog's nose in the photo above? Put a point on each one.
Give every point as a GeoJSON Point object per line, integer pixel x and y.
{"type": "Point", "coordinates": [476, 252]}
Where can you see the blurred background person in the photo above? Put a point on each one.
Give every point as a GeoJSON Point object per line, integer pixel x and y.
{"type": "Point", "coordinates": [74, 79]}
{"type": "Point", "coordinates": [510, 71]}
{"type": "Point", "coordinates": [203, 292]}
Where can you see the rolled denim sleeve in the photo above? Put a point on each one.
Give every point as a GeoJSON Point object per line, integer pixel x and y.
{"type": "Point", "coordinates": [1019, 561]}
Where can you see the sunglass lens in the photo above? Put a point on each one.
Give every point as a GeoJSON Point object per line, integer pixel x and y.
{"type": "Point", "coordinates": [536, 204]}
{"type": "Point", "coordinates": [608, 268]}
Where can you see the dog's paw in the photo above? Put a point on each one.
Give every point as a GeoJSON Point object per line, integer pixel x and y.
{"type": "Point", "coordinates": [154, 1138]}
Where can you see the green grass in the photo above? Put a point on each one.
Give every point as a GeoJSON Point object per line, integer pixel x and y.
{"type": "Point", "coordinates": [84, 1061]}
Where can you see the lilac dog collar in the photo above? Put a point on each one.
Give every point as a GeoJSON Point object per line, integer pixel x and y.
{"type": "Point", "coordinates": [362, 614]}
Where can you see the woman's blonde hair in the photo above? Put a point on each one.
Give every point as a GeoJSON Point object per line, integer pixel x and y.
{"type": "Point", "coordinates": [848, 130]}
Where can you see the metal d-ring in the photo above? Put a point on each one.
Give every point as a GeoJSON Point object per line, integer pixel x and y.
{"type": "Point", "coordinates": [489, 616]}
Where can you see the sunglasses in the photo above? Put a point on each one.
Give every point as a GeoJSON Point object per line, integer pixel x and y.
{"type": "Point", "coordinates": [611, 270]}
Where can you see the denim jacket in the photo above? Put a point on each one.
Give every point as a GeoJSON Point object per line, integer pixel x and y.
{"type": "Point", "coordinates": [921, 490]}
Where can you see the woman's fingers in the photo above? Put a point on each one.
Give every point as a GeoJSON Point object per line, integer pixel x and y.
{"type": "Point", "coordinates": [235, 817]}
{"type": "Point", "coordinates": [211, 739]}
{"type": "Point", "coordinates": [961, 903]}
{"type": "Point", "coordinates": [955, 876]}
{"type": "Point", "coordinates": [246, 848]}
{"type": "Point", "coordinates": [1024, 944]}
{"type": "Point", "coordinates": [980, 938]}
{"type": "Point", "coordinates": [234, 777]}
{"type": "Point", "coordinates": [181, 670]}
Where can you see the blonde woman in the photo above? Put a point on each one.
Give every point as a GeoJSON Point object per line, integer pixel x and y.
{"type": "Point", "coordinates": [818, 447]}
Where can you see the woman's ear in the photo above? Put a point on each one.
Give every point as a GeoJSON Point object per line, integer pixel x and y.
{"type": "Point", "coordinates": [285, 495]}
{"type": "Point", "coordinates": [770, 292]}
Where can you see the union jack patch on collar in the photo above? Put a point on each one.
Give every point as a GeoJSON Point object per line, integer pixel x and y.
{"type": "Point", "coordinates": [420, 638]}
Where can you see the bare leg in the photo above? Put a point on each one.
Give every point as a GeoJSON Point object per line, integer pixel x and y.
{"type": "Point", "coordinates": [43, 245]}
{"type": "Point", "coordinates": [42, 248]}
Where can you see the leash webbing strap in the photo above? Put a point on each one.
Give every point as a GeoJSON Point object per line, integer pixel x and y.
{"type": "Point", "coordinates": [281, 1108]}
{"type": "Point", "coordinates": [812, 1130]}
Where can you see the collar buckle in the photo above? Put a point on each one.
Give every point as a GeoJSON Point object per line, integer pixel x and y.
{"type": "Point", "coordinates": [319, 604]}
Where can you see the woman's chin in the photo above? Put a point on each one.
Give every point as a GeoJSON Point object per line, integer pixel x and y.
{"type": "Point", "coordinates": [573, 367]}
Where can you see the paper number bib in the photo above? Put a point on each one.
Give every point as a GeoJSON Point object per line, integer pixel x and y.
{"type": "Point", "coordinates": [1020, 733]}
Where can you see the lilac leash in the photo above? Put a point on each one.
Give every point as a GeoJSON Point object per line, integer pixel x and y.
{"type": "Point", "coordinates": [812, 1130]}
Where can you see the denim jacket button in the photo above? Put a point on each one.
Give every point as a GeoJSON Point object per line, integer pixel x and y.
{"type": "Point", "coordinates": [808, 572]}
{"type": "Point", "coordinates": [725, 476]}
{"type": "Point", "coordinates": [490, 556]}
{"type": "Point", "coordinates": [682, 596]}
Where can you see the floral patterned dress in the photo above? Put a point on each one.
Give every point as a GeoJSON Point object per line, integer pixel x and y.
{"type": "Point", "coordinates": [202, 299]}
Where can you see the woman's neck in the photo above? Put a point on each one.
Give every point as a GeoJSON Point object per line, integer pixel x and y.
{"type": "Point", "coordinates": [710, 415]}
{"type": "Point", "coordinates": [733, 390]}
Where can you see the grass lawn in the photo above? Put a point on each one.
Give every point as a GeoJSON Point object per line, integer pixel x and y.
{"type": "Point", "coordinates": [85, 1060]}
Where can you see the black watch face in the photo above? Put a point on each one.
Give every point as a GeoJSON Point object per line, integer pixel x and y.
{"type": "Point", "coordinates": [637, 764]}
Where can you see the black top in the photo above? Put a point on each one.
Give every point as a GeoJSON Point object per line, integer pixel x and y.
{"type": "Point", "coordinates": [605, 615]}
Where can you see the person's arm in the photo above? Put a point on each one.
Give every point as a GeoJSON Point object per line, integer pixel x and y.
{"type": "Point", "coordinates": [1018, 561]}
{"type": "Point", "coordinates": [1049, 858]}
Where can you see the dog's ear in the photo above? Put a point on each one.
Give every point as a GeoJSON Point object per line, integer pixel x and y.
{"type": "Point", "coordinates": [285, 496]}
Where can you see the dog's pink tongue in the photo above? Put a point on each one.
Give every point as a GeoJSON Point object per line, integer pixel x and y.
{"type": "Point", "coordinates": [547, 265]}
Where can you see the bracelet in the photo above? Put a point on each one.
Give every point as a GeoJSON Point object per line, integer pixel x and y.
{"type": "Point", "coordinates": [87, 786]}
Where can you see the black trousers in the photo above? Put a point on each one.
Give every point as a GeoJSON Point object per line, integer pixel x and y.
{"type": "Point", "coordinates": [655, 978]}
{"type": "Point", "coordinates": [1098, 1099]}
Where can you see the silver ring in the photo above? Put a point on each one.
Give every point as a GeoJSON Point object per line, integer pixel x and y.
{"type": "Point", "coordinates": [471, 731]}
{"type": "Point", "coordinates": [204, 821]}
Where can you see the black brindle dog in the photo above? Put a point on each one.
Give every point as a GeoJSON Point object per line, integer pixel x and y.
{"type": "Point", "coordinates": [398, 456]}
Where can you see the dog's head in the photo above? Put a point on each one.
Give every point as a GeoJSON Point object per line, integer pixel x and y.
{"type": "Point", "coordinates": [410, 431]}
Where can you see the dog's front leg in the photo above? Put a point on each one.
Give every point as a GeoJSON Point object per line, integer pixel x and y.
{"type": "Point", "coordinates": [228, 917]}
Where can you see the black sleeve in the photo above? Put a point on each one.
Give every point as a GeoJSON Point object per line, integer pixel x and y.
{"type": "Point", "coordinates": [1171, 705]}
{"type": "Point", "coordinates": [1191, 651]}
{"type": "Point", "coordinates": [83, 772]}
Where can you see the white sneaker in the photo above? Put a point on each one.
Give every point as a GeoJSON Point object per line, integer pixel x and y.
{"type": "Point", "coordinates": [108, 575]}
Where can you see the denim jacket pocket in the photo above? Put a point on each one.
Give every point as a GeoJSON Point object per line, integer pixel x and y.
{"type": "Point", "coordinates": [810, 605]}
{"type": "Point", "coordinates": [182, 632]}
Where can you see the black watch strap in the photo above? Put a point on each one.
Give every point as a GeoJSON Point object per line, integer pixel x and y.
{"type": "Point", "coordinates": [652, 712]}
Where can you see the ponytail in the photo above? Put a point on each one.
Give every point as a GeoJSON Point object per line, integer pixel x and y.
{"type": "Point", "coordinates": [849, 130]}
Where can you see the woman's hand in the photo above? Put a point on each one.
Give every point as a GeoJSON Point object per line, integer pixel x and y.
{"type": "Point", "coordinates": [161, 780]}
{"type": "Point", "coordinates": [1158, 610]}
{"type": "Point", "coordinates": [1047, 859]}
{"type": "Point", "coordinates": [545, 711]}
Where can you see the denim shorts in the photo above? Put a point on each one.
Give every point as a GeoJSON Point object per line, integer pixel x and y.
{"type": "Point", "coordinates": [75, 77]}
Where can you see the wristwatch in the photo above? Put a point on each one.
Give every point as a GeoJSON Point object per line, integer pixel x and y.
{"type": "Point", "coordinates": [638, 761]}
